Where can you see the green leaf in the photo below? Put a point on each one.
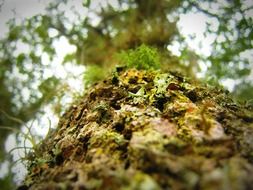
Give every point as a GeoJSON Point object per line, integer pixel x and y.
{"type": "Point", "coordinates": [86, 3]}
{"type": "Point", "coordinates": [14, 33]}
{"type": "Point", "coordinates": [21, 57]}
{"type": "Point", "coordinates": [69, 58]}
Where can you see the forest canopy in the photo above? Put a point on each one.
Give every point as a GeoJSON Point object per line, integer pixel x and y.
{"type": "Point", "coordinates": [34, 80]}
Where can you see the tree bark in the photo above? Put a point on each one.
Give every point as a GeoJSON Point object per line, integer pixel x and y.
{"type": "Point", "coordinates": [147, 130]}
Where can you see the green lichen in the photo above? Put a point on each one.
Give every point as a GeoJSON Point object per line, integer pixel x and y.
{"type": "Point", "coordinates": [143, 129]}
{"type": "Point", "coordinates": [161, 83]}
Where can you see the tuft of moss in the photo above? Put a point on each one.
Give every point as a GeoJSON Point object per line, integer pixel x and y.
{"type": "Point", "coordinates": [141, 58]}
{"type": "Point", "coordinates": [93, 74]}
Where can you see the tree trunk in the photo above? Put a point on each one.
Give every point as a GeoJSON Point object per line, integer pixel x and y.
{"type": "Point", "coordinates": [147, 130]}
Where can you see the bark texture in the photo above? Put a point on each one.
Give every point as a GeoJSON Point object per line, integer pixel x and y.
{"type": "Point", "coordinates": [147, 130]}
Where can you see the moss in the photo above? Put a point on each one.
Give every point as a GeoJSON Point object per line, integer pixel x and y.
{"type": "Point", "coordinates": [93, 74]}
{"type": "Point", "coordinates": [142, 181]}
{"type": "Point", "coordinates": [143, 57]}
{"type": "Point", "coordinates": [148, 130]}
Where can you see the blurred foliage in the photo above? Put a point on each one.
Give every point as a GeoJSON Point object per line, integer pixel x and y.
{"type": "Point", "coordinates": [232, 51]}
{"type": "Point", "coordinates": [7, 182]}
{"type": "Point", "coordinates": [93, 74]}
{"type": "Point", "coordinates": [244, 93]}
{"type": "Point", "coordinates": [109, 27]}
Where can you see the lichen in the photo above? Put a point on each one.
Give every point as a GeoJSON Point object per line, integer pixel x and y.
{"type": "Point", "coordinates": [144, 129]}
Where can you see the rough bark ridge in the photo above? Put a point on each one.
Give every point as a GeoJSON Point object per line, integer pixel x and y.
{"type": "Point", "coordinates": [148, 130]}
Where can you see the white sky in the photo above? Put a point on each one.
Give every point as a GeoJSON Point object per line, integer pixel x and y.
{"type": "Point", "coordinates": [19, 9]}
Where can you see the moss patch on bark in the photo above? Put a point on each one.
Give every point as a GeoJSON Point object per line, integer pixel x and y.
{"type": "Point", "coordinates": [148, 130]}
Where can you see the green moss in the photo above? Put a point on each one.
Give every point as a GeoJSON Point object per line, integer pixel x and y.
{"type": "Point", "coordinates": [106, 139]}
{"type": "Point", "coordinates": [141, 58]}
{"type": "Point", "coordinates": [93, 74]}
